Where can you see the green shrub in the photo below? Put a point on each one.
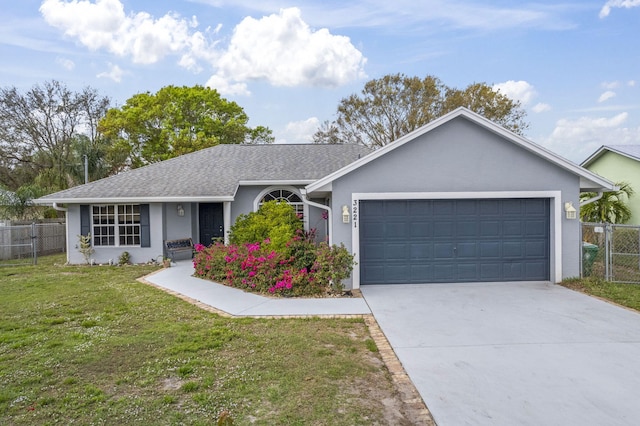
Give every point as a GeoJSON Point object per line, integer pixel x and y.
{"type": "Point", "coordinates": [274, 222]}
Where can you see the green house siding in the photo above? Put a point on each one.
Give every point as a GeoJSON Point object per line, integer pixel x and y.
{"type": "Point", "coordinates": [617, 168]}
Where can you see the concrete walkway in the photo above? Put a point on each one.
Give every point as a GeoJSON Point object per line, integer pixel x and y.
{"type": "Point", "coordinates": [239, 303]}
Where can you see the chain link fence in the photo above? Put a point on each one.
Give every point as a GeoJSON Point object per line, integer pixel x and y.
{"type": "Point", "coordinates": [611, 252]}
{"type": "Point", "coordinates": [22, 244]}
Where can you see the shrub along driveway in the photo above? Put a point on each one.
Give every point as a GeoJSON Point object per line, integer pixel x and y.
{"type": "Point", "coordinates": [514, 353]}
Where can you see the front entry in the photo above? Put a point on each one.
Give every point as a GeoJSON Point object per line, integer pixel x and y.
{"type": "Point", "coordinates": [211, 222]}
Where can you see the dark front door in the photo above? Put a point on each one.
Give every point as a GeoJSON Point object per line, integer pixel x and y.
{"type": "Point", "coordinates": [211, 222]}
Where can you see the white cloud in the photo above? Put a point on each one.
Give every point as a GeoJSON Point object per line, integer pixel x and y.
{"type": "Point", "coordinates": [283, 50]}
{"type": "Point", "coordinates": [225, 87]}
{"type": "Point", "coordinates": [610, 85]}
{"type": "Point", "coordinates": [541, 107]}
{"type": "Point", "coordinates": [104, 25]}
{"type": "Point", "coordinates": [299, 131]}
{"type": "Point", "coordinates": [115, 73]}
{"type": "Point", "coordinates": [521, 91]}
{"type": "Point", "coordinates": [577, 139]}
{"type": "Point", "coordinates": [631, 83]}
{"type": "Point", "coordinates": [627, 4]}
{"type": "Point", "coordinates": [67, 64]}
{"type": "Point", "coordinates": [606, 96]}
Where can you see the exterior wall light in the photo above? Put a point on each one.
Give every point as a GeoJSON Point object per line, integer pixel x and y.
{"type": "Point", "coordinates": [570, 211]}
{"type": "Point", "coordinates": [345, 214]}
{"type": "Point", "coordinates": [180, 210]}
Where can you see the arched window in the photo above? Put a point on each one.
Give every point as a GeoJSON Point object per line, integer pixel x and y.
{"type": "Point", "coordinates": [287, 196]}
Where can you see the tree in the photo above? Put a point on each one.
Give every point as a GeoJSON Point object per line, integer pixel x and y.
{"type": "Point", "coordinates": [19, 205]}
{"type": "Point", "coordinates": [38, 129]}
{"type": "Point", "coordinates": [394, 105]}
{"type": "Point", "coordinates": [610, 208]}
{"type": "Point", "coordinates": [176, 121]}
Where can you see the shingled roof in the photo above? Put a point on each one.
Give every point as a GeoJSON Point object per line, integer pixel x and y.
{"type": "Point", "coordinates": [630, 151]}
{"type": "Point", "coordinates": [214, 174]}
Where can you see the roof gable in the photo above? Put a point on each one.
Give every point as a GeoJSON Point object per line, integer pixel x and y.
{"type": "Point", "coordinates": [629, 151]}
{"type": "Point", "coordinates": [588, 180]}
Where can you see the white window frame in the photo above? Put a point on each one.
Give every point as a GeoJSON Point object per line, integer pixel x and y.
{"type": "Point", "coordinates": [127, 228]}
{"type": "Point", "coordinates": [305, 208]}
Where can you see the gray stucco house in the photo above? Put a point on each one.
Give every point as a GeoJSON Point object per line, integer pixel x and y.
{"type": "Point", "coordinates": [458, 200]}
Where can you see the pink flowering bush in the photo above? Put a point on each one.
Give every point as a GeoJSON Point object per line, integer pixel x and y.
{"type": "Point", "coordinates": [302, 268]}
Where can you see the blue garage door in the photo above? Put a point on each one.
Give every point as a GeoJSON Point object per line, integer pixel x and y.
{"type": "Point", "coordinates": [440, 241]}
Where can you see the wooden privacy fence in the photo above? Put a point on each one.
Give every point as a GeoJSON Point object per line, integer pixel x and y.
{"type": "Point", "coordinates": [22, 243]}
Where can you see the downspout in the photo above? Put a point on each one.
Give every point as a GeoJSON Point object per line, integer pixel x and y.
{"type": "Point", "coordinates": [58, 208]}
{"type": "Point", "coordinates": [592, 199]}
{"type": "Point", "coordinates": [323, 207]}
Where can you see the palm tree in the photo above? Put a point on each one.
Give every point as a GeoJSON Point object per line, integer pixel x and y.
{"type": "Point", "coordinates": [611, 208]}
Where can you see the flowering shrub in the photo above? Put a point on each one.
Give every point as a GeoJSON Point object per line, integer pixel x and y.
{"type": "Point", "coordinates": [302, 268]}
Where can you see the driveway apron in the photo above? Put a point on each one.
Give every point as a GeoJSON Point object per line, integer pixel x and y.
{"type": "Point", "coordinates": [514, 353]}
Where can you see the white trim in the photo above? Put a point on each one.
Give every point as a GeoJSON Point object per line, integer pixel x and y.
{"type": "Point", "coordinates": [293, 189]}
{"type": "Point", "coordinates": [275, 182]}
{"type": "Point", "coordinates": [556, 217]}
{"type": "Point", "coordinates": [134, 200]}
{"type": "Point", "coordinates": [226, 220]}
{"type": "Point", "coordinates": [601, 151]}
{"type": "Point", "coordinates": [586, 177]}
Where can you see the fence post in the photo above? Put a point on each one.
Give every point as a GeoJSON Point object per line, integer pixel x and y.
{"type": "Point", "coordinates": [34, 244]}
{"type": "Point", "coordinates": [607, 251]}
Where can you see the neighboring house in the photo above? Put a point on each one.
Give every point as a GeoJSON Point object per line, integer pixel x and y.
{"type": "Point", "coordinates": [460, 199]}
{"type": "Point", "coordinates": [619, 163]}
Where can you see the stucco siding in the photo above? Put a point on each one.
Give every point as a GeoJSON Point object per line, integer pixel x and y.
{"type": "Point", "coordinates": [102, 255]}
{"type": "Point", "coordinates": [618, 168]}
{"type": "Point", "coordinates": [461, 157]}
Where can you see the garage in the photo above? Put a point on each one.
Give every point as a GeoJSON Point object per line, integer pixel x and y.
{"type": "Point", "coordinates": [454, 240]}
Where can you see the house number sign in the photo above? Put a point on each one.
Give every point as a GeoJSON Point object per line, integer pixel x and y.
{"type": "Point", "coordinates": [354, 213]}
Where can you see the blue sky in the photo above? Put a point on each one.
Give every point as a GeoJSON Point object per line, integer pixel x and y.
{"type": "Point", "coordinates": [574, 65]}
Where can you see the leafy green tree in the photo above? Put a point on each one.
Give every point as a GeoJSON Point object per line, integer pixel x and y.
{"type": "Point", "coordinates": [611, 208]}
{"type": "Point", "coordinates": [394, 105]}
{"type": "Point", "coordinates": [38, 129]}
{"type": "Point", "coordinates": [174, 121]}
{"type": "Point", "coordinates": [19, 205]}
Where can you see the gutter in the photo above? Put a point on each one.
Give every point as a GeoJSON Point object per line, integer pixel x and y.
{"type": "Point", "coordinates": [308, 202]}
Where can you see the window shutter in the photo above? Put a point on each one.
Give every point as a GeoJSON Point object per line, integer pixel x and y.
{"type": "Point", "coordinates": [145, 226]}
{"type": "Point", "coordinates": [85, 220]}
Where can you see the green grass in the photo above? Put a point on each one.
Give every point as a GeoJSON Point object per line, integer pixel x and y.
{"type": "Point", "coordinates": [91, 345]}
{"type": "Point", "coordinates": [623, 294]}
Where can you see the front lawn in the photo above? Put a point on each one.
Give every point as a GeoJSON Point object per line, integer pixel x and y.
{"type": "Point", "coordinates": [623, 294]}
{"type": "Point", "coordinates": [91, 345]}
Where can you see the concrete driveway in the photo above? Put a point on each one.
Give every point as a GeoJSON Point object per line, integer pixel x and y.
{"type": "Point", "coordinates": [514, 353]}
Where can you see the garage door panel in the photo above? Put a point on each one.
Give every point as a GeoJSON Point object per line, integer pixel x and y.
{"type": "Point", "coordinates": [423, 241]}
{"type": "Point", "coordinates": [443, 250]}
{"type": "Point", "coordinates": [489, 249]}
{"type": "Point", "coordinates": [443, 228]}
{"type": "Point", "coordinates": [421, 230]}
{"type": "Point", "coordinates": [467, 250]}
{"type": "Point", "coordinates": [421, 251]}
{"type": "Point", "coordinates": [513, 249]}
{"type": "Point", "coordinates": [398, 229]}
{"type": "Point", "coordinates": [467, 271]}
{"type": "Point", "coordinates": [395, 252]}
{"type": "Point", "coordinates": [467, 228]}
{"type": "Point", "coordinates": [443, 272]}
{"type": "Point", "coordinates": [489, 228]}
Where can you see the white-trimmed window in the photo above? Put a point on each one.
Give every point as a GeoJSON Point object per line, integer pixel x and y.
{"type": "Point", "coordinates": [289, 197]}
{"type": "Point", "coordinates": [116, 225]}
